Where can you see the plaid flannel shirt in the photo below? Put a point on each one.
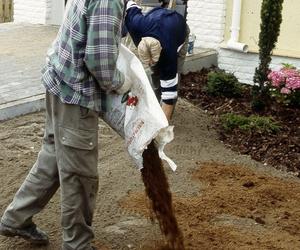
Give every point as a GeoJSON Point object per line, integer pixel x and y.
{"type": "Point", "coordinates": [81, 63]}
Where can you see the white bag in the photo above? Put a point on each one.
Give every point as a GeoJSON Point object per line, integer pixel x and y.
{"type": "Point", "coordinates": [138, 119]}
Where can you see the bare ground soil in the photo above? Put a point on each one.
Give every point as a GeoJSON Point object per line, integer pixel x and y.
{"type": "Point", "coordinates": [223, 200]}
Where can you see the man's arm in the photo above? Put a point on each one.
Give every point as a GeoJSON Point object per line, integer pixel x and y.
{"type": "Point", "coordinates": [135, 21]}
{"type": "Point", "coordinates": [104, 20]}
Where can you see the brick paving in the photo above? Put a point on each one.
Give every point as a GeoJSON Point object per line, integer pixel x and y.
{"type": "Point", "coordinates": [22, 55]}
{"type": "Point", "coordinates": [23, 49]}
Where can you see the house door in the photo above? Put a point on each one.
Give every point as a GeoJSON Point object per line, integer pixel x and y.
{"type": "Point", "coordinates": [57, 11]}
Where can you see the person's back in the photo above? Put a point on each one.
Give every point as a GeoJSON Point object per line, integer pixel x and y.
{"type": "Point", "coordinates": [169, 31]}
{"type": "Point", "coordinates": [83, 56]}
{"type": "Point", "coordinates": [68, 50]}
{"type": "Point", "coordinates": [165, 25]}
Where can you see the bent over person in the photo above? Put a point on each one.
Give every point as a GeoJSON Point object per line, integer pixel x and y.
{"type": "Point", "coordinates": [81, 65]}
{"type": "Point", "coordinates": [160, 37]}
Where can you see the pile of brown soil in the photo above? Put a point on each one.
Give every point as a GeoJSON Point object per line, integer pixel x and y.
{"type": "Point", "coordinates": [237, 208]}
{"type": "Point", "coordinates": [158, 191]}
{"type": "Point", "coordinates": [282, 148]}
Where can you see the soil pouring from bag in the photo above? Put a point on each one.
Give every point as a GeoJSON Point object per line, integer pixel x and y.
{"type": "Point", "coordinates": [157, 189]}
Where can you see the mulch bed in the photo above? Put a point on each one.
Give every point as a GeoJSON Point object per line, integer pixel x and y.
{"type": "Point", "coordinates": [281, 150]}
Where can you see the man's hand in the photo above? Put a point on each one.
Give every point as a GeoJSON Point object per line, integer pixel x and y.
{"type": "Point", "coordinates": [130, 4]}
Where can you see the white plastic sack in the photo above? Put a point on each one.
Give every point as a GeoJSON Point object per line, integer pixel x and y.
{"type": "Point", "coordinates": [138, 119]}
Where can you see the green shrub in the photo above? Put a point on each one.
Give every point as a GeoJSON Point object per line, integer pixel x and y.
{"type": "Point", "coordinates": [295, 99]}
{"type": "Point", "coordinates": [256, 123]}
{"type": "Point", "coordinates": [260, 97]}
{"type": "Point", "coordinates": [271, 18]}
{"type": "Point", "coordinates": [220, 83]}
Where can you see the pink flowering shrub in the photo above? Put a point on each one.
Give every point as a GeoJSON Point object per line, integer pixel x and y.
{"type": "Point", "coordinates": [285, 85]}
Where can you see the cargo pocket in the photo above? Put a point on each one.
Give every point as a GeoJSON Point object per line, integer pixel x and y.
{"type": "Point", "coordinates": [84, 112]}
{"type": "Point", "coordinates": [79, 151]}
{"type": "Point", "coordinates": [88, 119]}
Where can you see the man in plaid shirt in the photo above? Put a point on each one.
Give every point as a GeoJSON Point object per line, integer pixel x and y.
{"type": "Point", "coordinates": [81, 66]}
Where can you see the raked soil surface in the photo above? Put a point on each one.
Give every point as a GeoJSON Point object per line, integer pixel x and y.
{"type": "Point", "coordinates": [222, 200]}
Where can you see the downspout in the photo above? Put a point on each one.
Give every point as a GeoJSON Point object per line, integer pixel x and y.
{"type": "Point", "coordinates": [233, 42]}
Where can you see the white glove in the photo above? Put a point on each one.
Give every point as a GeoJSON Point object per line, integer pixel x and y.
{"type": "Point", "coordinates": [125, 87]}
{"type": "Point", "coordinates": [131, 4]}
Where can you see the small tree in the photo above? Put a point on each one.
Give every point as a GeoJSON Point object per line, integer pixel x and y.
{"type": "Point", "coordinates": [271, 19]}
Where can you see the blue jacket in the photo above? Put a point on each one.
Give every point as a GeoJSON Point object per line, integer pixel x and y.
{"type": "Point", "coordinates": [165, 25]}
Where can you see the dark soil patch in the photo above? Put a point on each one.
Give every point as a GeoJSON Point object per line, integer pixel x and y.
{"type": "Point", "coordinates": [280, 150]}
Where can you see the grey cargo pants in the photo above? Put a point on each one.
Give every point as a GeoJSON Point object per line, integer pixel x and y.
{"type": "Point", "coordinates": [68, 158]}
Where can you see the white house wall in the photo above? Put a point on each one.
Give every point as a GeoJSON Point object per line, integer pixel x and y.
{"type": "Point", "coordinates": [243, 65]}
{"type": "Point", "coordinates": [30, 11]}
{"type": "Point", "coordinates": [38, 11]}
{"type": "Point", "coordinates": [206, 19]}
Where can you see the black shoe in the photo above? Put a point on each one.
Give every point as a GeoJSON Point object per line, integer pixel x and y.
{"type": "Point", "coordinates": [30, 233]}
